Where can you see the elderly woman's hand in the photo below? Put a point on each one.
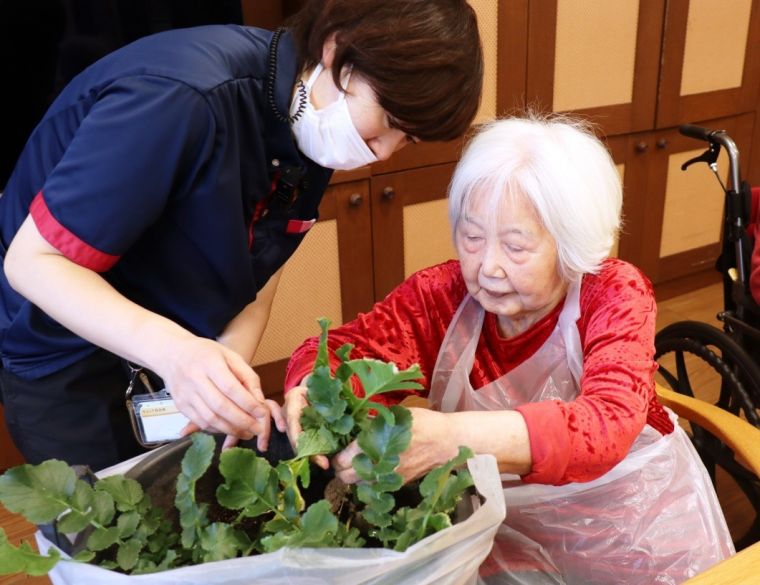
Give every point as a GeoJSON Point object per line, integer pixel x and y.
{"type": "Point", "coordinates": [430, 446]}
{"type": "Point", "coordinates": [295, 402]}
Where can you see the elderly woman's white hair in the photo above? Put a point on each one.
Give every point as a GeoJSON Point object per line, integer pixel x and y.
{"type": "Point", "coordinates": [564, 171]}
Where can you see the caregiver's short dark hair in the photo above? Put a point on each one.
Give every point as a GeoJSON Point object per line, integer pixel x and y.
{"type": "Point", "coordinates": [423, 58]}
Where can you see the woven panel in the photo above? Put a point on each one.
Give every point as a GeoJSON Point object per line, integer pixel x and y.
{"type": "Point", "coordinates": [427, 235]}
{"type": "Point", "coordinates": [595, 53]}
{"type": "Point", "coordinates": [487, 12]}
{"type": "Point", "coordinates": [693, 205]}
{"type": "Point", "coordinates": [309, 289]}
{"type": "Point", "coordinates": [716, 39]}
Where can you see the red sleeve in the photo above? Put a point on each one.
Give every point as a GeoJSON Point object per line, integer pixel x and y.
{"type": "Point", "coordinates": [406, 328]}
{"type": "Point", "coordinates": [583, 439]}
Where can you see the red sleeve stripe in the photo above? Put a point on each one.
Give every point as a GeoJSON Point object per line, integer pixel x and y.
{"type": "Point", "coordinates": [67, 243]}
{"type": "Point", "coordinates": [299, 226]}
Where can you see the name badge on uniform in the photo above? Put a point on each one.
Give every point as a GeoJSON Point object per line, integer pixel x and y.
{"type": "Point", "coordinates": [154, 416]}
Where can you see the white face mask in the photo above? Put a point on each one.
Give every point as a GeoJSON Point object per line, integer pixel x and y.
{"type": "Point", "coordinates": [328, 135]}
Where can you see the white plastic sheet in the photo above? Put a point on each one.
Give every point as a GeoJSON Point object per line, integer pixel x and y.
{"type": "Point", "coordinates": [449, 557]}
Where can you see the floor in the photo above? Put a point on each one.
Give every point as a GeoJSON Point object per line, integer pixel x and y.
{"type": "Point", "coordinates": [700, 305]}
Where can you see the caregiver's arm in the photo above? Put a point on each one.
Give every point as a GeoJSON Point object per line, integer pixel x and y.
{"type": "Point", "coordinates": [211, 384]}
{"type": "Point", "coordinates": [243, 334]}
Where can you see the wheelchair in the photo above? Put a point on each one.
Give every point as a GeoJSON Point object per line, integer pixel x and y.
{"type": "Point", "coordinates": [721, 366]}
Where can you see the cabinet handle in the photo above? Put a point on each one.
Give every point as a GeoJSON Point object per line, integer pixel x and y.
{"type": "Point", "coordinates": [355, 200]}
{"type": "Point", "coordinates": [389, 193]}
{"type": "Point", "coordinates": [662, 143]}
{"type": "Point", "coordinates": [642, 146]}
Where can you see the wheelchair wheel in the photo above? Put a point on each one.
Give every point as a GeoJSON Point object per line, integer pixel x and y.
{"type": "Point", "coordinates": [697, 359]}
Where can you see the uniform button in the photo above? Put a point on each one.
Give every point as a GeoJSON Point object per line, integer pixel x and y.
{"type": "Point", "coordinates": [275, 162]}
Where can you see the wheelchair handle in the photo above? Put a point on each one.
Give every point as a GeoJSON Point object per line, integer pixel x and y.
{"type": "Point", "coordinates": [718, 137]}
{"type": "Point", "coordinates": [694, 131]}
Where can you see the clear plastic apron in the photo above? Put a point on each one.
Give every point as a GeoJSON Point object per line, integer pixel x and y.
{"type": "Point", "coordinates": [654, 517]}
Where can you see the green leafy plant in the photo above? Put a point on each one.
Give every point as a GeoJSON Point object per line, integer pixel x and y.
{"type": "Point", "coordinates": [265, 504]}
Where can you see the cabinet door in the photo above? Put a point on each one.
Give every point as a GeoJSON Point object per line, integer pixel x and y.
{"type": "Point", "coordinates": [410, 228]}
{"type": "Point", "coordinates": [674, 218]}
{"type": "Point", "coordinates": [710, 60]}
{"type": "Point", "coordinates": [330, 275]}
{"type": "Point", "coordinates": [596, 58]}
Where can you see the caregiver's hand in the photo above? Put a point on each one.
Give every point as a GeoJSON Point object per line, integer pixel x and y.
{"type": "Point", "coordinates": [430, 446]}
{"type": "Point", "coordinates": [218, 391]}
{"type": "Point", "coordinates": [295, 402]}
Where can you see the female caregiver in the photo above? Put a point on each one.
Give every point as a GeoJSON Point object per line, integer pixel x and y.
{"type": "Point", "coordinates": [154, 206]}
{"type": "Point", "coordinates": [538, 348]}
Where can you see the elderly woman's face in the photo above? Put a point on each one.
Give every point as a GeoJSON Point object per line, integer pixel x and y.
{"type": "Point", "coordinates": [509, 261]}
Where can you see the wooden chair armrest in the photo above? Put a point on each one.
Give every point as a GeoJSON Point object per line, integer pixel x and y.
{"type": "Point", "coordinates": [740, 436]}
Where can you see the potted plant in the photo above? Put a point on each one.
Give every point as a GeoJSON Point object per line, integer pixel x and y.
{"type": "Point", "coordinates": [187, 507]}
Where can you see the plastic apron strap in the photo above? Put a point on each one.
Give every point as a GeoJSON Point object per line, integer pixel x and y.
{"type": "Point", "coordinates": [568, 327]}
{"type": "Point", "coordinates": [457, 353]}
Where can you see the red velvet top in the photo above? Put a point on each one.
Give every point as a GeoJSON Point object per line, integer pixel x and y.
{"type": "Point", "coordinates": [569, 441]}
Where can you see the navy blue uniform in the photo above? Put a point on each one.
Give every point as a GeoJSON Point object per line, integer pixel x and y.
{"type": "Point", "coordinates": [169, 167]}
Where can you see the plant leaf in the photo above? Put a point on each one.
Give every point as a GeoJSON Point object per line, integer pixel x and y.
{"type": "Point", "coordinates": [73, 521]}
{"type": "Point", "coordinates": [84, 556]}
{"type": "Point", "coordinates": [318, 523]}
{"type": "Point", "coordinates": [378, 501]}
{"type": "Point", "coordinates": [433, 486]}
{"type": "Point", "coordinates": [41, 492]}
{"type": "Point", "coordinates": [324, 394]}
{"type": "Point", "coordinates": [378, 377]}
{"type": "Point", "coordinates": [195, 462]}
{"type": "Point", "coordinates": [319, 529]}
{"type": "Point", "coordinates": [24, 559]}
{"type": "Point", "coordinates": [102, 538]}
{"type": "Point", "coordinates": [322, 357]}
{"type": "Point", "coordinates": [250, 482]}
{"type": "Point", "coordinates": [126, 493]}
{"type": "Point", "coordinates": [81, 512]}
{"type": "Point", "coordinates": [103, 507]}
{"type": "Point", "coordinates": [381, 440]}
{"type": "Point", "coordinates": [316, 442]}
{"type": "Point", "coordinates": [168, 561]}
{"type": "Point", "coordinates": [198, 456]}
{"type": "Point", "coordinates": [127, 524]}
{"type": "Point", "coordinates": [221, 541]}
{"type": "Point", "coordinates": [127, 554]}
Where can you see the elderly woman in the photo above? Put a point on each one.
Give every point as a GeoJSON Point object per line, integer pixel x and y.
{"type": "Point", "coordinates": [538, 348]}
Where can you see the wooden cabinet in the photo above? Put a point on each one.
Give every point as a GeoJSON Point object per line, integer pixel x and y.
{"type": "Point", "coordinates": [710, 60]}
{"type": "Point", "coordinates": [410, 227]}
{"type": "Point", "coordinates": [634, 65]}
{"type": "Point", "coordinates": [637, 69]}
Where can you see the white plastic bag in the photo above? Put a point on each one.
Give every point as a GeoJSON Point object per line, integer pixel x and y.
{"type": "Point", "coordinates": [653, 518]}
{"type": "Point", "coordinates": [451, 556]}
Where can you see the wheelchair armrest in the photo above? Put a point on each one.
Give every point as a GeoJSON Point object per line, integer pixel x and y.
{"type": "Point", "coordinates": [740, 436]}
